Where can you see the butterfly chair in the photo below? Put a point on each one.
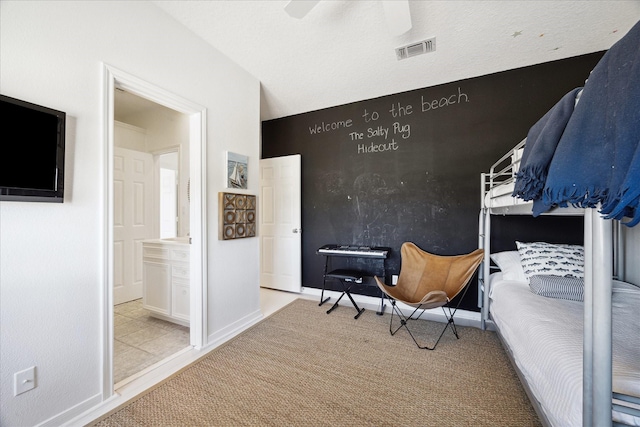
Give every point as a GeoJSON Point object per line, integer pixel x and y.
{"type": "Point", "coordinates": [429, 281]}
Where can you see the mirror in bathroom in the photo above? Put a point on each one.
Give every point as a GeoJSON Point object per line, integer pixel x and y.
{"type": "Point", "coordinates": [168, 170]}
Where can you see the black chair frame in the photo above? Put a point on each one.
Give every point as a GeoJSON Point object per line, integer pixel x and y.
{"type": "Point", "coordinates": [405, 319]}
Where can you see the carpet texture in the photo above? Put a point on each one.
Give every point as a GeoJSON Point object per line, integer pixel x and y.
{"type": "Point", "coordinates": [303, 367]}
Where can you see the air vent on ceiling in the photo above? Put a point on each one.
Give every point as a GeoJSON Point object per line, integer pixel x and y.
{"type": "Point", "coordinates": [415, 49]}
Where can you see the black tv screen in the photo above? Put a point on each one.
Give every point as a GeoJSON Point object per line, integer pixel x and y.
{"type": "Point", "coordinates": [32, 160]}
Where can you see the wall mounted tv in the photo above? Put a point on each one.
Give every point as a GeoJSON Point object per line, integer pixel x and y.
{"type": "Point", "coordinates": [32, 160]}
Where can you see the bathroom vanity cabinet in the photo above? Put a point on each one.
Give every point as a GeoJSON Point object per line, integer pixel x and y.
{"type": "Point", "coordinates": [165, 286]}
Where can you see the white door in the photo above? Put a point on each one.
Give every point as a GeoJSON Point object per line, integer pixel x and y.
{"type": "Point", "coordinates": [132, 220]}
{"type": "Point", "coordinates": [280, 223]}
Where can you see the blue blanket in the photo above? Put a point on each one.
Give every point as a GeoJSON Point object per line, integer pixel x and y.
{"type": "Point", "coordinates": [542, 141]}
{"type": "Point", "coordinates": [597, 158]}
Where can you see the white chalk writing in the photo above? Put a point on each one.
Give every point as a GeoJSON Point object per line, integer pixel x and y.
{"type": "Point", "coordinates": [377, 148]}
{"type": "Point", "coordinates": [326, 127]}
{"type": "Point", "coordinates": [445, 101]}
{"type": "Point", "coordinates": [383, 137]}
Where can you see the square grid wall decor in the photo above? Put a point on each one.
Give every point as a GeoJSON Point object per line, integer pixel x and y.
{"type": "Point", "coordinates": [237, 216]}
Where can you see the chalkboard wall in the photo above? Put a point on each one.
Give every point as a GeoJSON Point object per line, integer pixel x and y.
{"type": "Point", "coordinates": [406, 167]}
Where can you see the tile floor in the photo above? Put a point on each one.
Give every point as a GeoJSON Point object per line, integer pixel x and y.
{"type": "Point", "coordinates": [142, 340]}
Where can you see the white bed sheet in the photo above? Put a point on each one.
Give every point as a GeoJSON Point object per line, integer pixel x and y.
{"type": "Point", "coordinates": [545, 337]}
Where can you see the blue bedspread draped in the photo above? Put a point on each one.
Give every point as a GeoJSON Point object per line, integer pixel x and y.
{"type": "Point", "coordinates": [542, 141]}
{"type": "Point", "coordinates": [590, 155]}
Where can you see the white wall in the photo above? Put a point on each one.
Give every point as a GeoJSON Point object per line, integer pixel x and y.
{"type": "Point", "coordinates": [129, 136]}
{"type": "Point", "coordinates": [52, 255]}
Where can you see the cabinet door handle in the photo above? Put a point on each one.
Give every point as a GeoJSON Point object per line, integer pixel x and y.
{"type": "Point", "coordinates": [297, 230]}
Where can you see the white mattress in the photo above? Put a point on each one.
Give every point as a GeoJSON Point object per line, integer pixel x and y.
{"type": "Point", "coordinates": [545, 337]}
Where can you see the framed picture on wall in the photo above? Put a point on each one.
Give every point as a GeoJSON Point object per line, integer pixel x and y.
{"type": "Point", "coordinates": [237, 170]}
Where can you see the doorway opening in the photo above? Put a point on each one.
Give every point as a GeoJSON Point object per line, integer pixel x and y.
{"type": "Point", "coordinates": [154, 296]}
{"type": "Point", "coordinates": [151, 289]}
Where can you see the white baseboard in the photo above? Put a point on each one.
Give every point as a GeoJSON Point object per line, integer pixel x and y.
{"type": "Point", "coordinates": [230, 331]}
{"type": "Point", "coordinates": [462, 317]}
{"type": "Point", "coordinates": [64, 418]}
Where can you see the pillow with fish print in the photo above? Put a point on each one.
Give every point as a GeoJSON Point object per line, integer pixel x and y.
{"type": "Point", "coordinates": [540, 258]}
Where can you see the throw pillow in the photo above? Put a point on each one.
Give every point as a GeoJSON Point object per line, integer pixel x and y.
{"type": "Point", "coordinates": [509, 263]}
{"type": "Point", "coordinates": [551, 259]}
{"type": "Point", "coordinates": [570, 288]}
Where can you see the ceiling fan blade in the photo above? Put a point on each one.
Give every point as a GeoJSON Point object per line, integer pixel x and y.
{"type": "Point", "coordinates": [398, 16]}
{"type": "Point", "coordinates": [300, 8]}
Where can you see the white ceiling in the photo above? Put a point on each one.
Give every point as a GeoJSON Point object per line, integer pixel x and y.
{"type": "Point", "coordinates": [341, 52]}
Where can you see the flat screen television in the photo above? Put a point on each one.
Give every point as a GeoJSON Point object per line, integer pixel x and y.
{"type": "Point", "coordinates": [32, 159]}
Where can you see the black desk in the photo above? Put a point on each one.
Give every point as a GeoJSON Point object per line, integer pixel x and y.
{"type": "Point", "coordinates": [348, 277]}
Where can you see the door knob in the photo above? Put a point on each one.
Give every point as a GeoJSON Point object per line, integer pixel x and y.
{"type": "Point", "coordinates": [297, 230]}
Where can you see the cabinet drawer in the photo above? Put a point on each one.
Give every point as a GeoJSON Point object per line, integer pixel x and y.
{"type": "Point", "coordinates": [180, 270]}
{"type": "Point", "coordinates": [155, 252]}
{"type": "Point", "coordinates": [180, 254]}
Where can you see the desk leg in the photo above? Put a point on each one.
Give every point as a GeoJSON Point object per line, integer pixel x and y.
{"type": "Point", "coordinates": [382, 305]}
{"type": "Point", "coordinates": [324, 281]}
{"type": "Point", "coordinates": [384, 277]}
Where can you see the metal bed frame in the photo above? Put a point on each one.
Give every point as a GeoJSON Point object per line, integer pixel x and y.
{"type": "Point", "coordinates": [600, 237]}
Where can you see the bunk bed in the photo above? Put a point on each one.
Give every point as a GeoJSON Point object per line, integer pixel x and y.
{"type": "Point", "coordinates": [577, 357]}
{"type": "Point", "coordinates": [544, 336]}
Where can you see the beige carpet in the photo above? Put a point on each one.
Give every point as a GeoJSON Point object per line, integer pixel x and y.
{"type": "Point", "coordinates": [302, 367]}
